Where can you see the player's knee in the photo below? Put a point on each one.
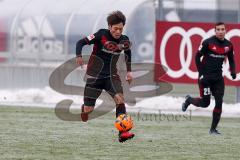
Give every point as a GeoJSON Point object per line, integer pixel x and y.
{"type": "Point", "coordinates": [118, 98]}
{"type": "Point", "coordinates": [219, 100]}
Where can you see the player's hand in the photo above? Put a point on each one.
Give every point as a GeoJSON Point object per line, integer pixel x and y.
{"type": "Point", "coordinates": [79, 61]}
{"type": "Point", "coordinates": [233, 75]}
{"type": "Point", "coordinates": [129, 77]}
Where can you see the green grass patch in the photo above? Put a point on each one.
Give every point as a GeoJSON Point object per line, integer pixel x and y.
{"type": "Point", "coordinates": [36, 133]}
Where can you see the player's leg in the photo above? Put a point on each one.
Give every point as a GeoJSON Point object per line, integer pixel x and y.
{"type": "Point", "coordinates": [218, 92]}
{"type": "Point", "coordinates": [92, 91]}
{"type": "Point", "coordinates": [114, 88]}
{"type": "Point", "coordinates": [205, 96]}
{"type": "Point", "coordinates": [120, 104]}
{"type": "Point", "coordinates": [121, 109]}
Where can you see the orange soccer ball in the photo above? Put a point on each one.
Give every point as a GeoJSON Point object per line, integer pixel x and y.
{"type": "Point", "coordinates": [124, 123]}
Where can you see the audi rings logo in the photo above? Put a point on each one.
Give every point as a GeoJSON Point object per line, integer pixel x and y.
{"type": "Point", "coordinates": [185, 49]}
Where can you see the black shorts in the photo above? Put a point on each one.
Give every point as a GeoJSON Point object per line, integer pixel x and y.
{"type": "Point", "coordinates": [215, 87]}
{"type": "Point", "coordinates": [94, 87]}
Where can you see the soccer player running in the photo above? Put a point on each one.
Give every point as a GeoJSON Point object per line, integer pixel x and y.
{"type": "Point", "coordinates": [213, 52]}
{"type": "Point", "coordinates": [101, 71]}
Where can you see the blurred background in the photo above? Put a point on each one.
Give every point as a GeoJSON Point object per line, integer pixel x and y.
{"type": "Point", "coordinates": [38, 36]}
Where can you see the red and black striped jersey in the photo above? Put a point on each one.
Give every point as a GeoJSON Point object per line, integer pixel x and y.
{"type": "Point", "coordinates": [211, 55]}
{"type": "Point", "coordinates": [105, 54]}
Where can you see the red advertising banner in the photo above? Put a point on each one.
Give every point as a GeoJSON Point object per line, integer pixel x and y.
{"type": "Point", "coordinates": [3, 40]}
{"type": "Point", "coordinates": [177, 44]}
{"type": "Point", "coordinates": [3, 35]}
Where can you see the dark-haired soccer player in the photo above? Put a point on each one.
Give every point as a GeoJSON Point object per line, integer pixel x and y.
{"type": "Point", "coordinates": [102, 71]}
{"type": "Point", "coordinates": [213, 52]}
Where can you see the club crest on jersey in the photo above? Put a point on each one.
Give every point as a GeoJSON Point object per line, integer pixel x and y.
{"type": "Point", "coordinates": [90, 37]}
{"type": "Point", "coordinates": [214, 48]}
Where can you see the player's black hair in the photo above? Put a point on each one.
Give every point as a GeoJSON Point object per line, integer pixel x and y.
{"type": "Point", "coordinates": [219, 23]}
{"type": "Point", "coordinates": [116, 17]}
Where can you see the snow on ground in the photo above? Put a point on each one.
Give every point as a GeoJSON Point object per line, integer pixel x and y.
{"type": "Point", "coordinates": [162, 104]}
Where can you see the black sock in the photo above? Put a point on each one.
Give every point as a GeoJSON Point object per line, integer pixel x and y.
{"type": "Point", "coordinates": [194, 101]}
{"type": "Point", "coordinates": [216, 118]}
{"type": "Point", "coordinates": [120, 109]}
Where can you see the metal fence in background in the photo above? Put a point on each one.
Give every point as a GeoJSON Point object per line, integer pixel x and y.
{"type": "Point", "coordinates": [37, 36]}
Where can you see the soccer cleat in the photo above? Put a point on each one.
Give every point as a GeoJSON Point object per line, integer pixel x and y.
{"type": "Point", "coordinates": [84, 116]}
{"type": "Point", "coordinates": [214, 132]}
{"type": "Point", "coordinates": [123, 136]}
{"type": "Point", "coordinates": [186, 103]}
